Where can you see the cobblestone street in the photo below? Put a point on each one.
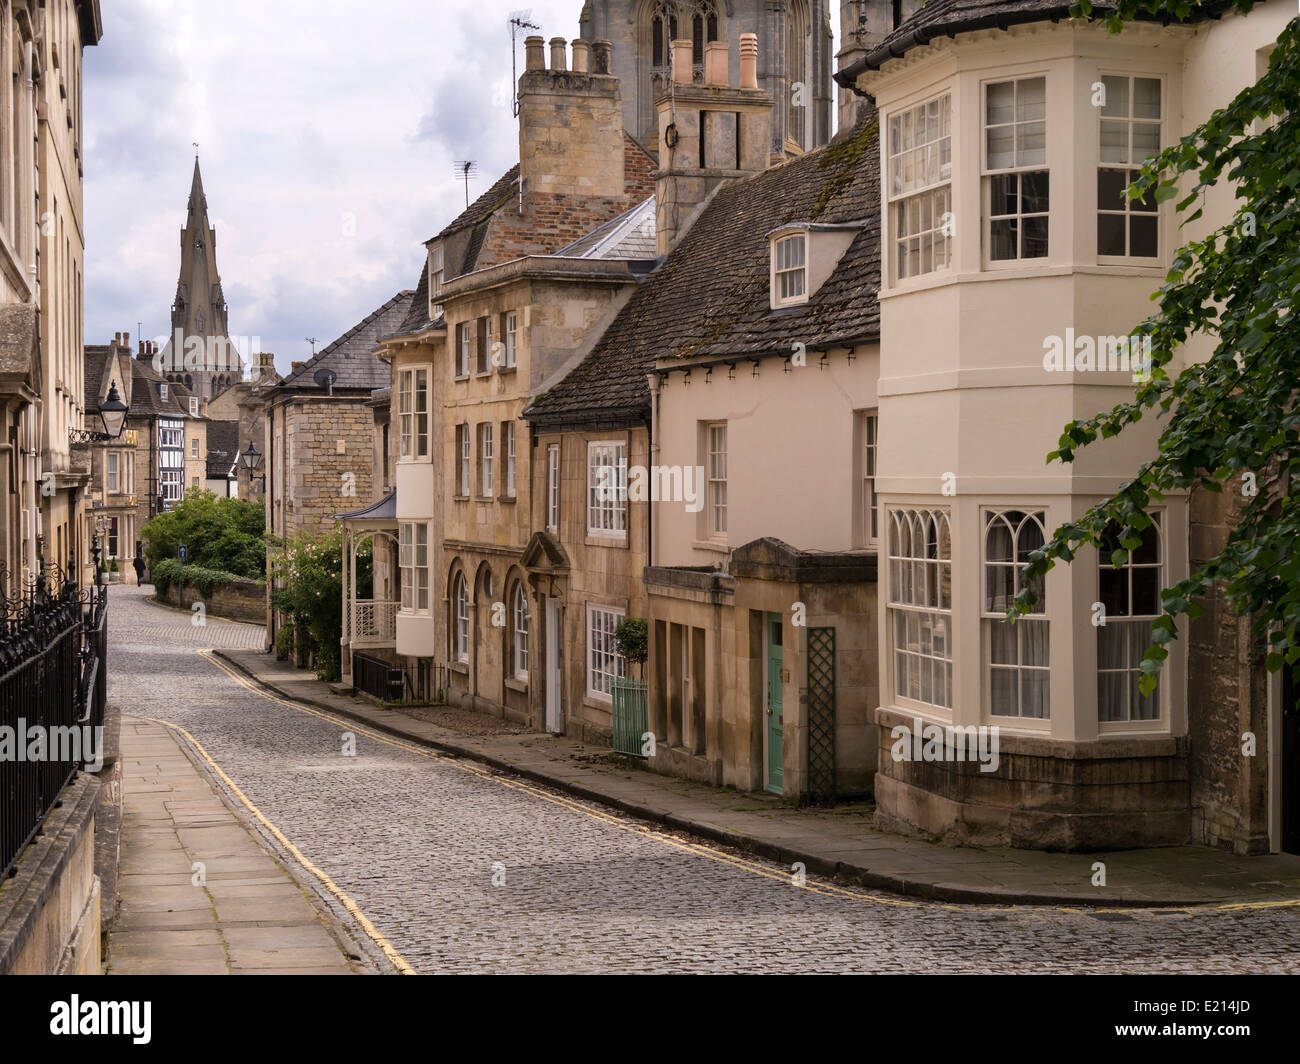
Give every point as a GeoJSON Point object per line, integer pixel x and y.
{"type": "Point", "coordinates": [464, 870]}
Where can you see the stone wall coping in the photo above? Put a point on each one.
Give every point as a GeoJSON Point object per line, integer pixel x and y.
{"type": "Point", "coordinates": [42, 864]}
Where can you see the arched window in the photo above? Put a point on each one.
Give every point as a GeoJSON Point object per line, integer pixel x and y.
{"type": "Point", "coordinates": [1016, 662]}
{"type": "Point", "coordinates": [519, 643]}
{"type": "Point", "coordinates": [663, 29]}
{"type": "Point", "coordinates": [460, 620]}
{"type": "Point", "coordinates": [797, 38]}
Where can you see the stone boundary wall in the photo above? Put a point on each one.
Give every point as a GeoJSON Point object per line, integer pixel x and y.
{"type": "Point", "coordinates": [240, 600]}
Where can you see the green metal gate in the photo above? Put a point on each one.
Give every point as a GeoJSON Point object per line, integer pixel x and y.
{"type": "Point", "coordinates": [821, 716]}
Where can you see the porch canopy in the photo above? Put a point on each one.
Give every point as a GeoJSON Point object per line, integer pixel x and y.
{"type": "Point", "coordinates": [371, 623]}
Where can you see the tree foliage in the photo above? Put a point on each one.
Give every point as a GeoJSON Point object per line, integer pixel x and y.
{"type": "Point", "coordinates": [308, 573]}
{"type": "Point", "coordinates": [222, 535]}
{"type": "Point", "coordinates": [1235, 413]}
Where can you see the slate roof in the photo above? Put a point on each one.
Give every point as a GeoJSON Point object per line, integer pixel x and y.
{"type": "Point", "coordinates": [711, 296]}
{"type": "Point", "coordinates": [417, 316]}
{"type": "Point", "coordinates": [223, 448]}
{"type": "Point", "coordinates": [632, 235]}
{"type": "Point", "coordinates": [93, 374]}
{"type": "Point", "coordinates": [352, 356]}
{"type": "Point", "coordinates": [145, 401]}
{"type": "Point", "coordinates": [945, 18]}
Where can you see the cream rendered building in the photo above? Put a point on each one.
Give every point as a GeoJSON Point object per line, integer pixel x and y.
{"type": "Point", "coordinates": [1003, 153]}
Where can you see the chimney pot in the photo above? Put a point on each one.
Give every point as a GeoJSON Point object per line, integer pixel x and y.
{"type": "Point", "coordinates": [683, 62]}
{"type": "Point", "coordinates": [117, 339]}
{"type": "Point", "coordinates": [581, 56]}
{"type": "Point", "coordinates": [559, 55]}
{"type": "Point", "coordinates": [534, 53]}
{"type": "Point", "coordinates": [749, 60]}
{"type": "Point", "coordinates": [126, 341]}
{"type": "Point", "coordinates": [602, 57]}
{"type": "Point", "coordinates": [717, 64]}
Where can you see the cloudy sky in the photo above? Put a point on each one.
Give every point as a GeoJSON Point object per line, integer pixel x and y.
{"type": "Point", "coordinates": [307, 113]}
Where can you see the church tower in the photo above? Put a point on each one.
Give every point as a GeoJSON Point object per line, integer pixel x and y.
{"type": "Point", "coordinates": [794, 63]}
{"type": "Point", "coordinates": [864, 25]}
{"type": "Point", "coordinates": [199, 312]}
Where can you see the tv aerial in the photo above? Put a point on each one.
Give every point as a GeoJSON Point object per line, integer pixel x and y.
{"type": "Point", "coordinates": [520, 22]}
{"type": "Point", "coordinates": [465, 169]}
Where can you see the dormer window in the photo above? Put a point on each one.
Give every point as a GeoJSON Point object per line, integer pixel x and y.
{"type": "Point", "coordinates": [194, 406]}
{"type": "Point", "coordinates": [436, 270]}
{"type": "Point", "coordinates": [790, 270]}
{"type": "Point", "coordinates": [162, 392]}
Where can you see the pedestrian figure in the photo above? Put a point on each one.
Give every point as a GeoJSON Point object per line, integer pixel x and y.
{"type": "Point", "coordinates": [139, 570]}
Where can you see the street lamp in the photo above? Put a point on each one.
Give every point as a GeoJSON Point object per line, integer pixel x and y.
{"type": "Point", "coordinates": [252, 459]}
{"type": "Point", "coordinates": [112, 413]}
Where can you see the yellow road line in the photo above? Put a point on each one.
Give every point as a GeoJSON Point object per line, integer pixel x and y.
{"type": "Point", "coordinates": [706, 851]}
{"type": "Point", "coordinates": [329, 884]}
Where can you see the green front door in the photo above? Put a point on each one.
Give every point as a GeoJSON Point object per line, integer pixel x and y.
{"type": "Point", "coordinates": [775, 750]}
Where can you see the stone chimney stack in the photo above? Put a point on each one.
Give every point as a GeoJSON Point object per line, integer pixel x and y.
{"type": "Point", "coordinates": [570, 122]}
{"type": "Point", "coordinates": [708, 133]}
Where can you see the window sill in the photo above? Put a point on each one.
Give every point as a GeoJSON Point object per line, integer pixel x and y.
{"type": "Point", "coordinates": [597, 701]}
{"type": "Point", "coordinates": [597, 540]}
{"type": "Point", "coordinates": [459, 667]}
{"type": "Point", "coordinates": [460, 498]}
{"type": "Point", "coordinates": [503, 370]}
{"type": "Point", "coordinates": [484, 498]}
{"type": "Point", "coordinates": [461, 377]}
{"type": "Point", "coordinates": [717, 546]}
{"type": "Point", "coordinates": [521, 686]}
{"type": "Point", "coordinates": [507, 498]}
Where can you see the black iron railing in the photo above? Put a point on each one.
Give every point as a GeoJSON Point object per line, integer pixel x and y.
{"type": "Point", "coordinates": [421, 681]}
{"type": "Point", "coordinates": [53, 686]}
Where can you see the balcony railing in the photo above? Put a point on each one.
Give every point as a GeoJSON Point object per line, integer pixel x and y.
{"type": "Point", "coordinates": [374, 623]}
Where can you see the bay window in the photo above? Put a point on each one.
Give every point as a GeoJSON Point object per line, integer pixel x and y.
{"type": "Point", "coordinates": [920, 187]}
{"type": "Point", "coordinates": [920, 605]}
{"type": "Point", "coordinates": [1016, 662]}
{"type": "Point", "coordinates": [1016, 182]}
{"type": "Point", "coordinates": [1130, 598]}
{"type": "Point", "coordinates": [413, 561]}
{"type": "Point", "coordinates": [413, 411]}
{"type": "Point", "coordinates": [1130, 133]}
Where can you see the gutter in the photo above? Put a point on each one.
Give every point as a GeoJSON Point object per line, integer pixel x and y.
{"type": "Point", "coordinates": [896, 45]}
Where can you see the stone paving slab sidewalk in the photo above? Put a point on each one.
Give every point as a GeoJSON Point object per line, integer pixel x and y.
{"type": "Point", "coordinates": [841, 842]}
{"type": "Point", "coordinates": [247, 918]}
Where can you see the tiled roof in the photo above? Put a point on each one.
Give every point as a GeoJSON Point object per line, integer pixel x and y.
{"type": "Point", "coordinates": [632, 235]}
{"type": "Point", "coordinates": [711, 297]}
{"type": "Point", "coordinates": [352, 356]}
{"type": "Point", "coordinates": [944, 18]}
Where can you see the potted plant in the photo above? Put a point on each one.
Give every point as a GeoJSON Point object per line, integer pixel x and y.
{"type": "Point", "coordinates": [632, 636]}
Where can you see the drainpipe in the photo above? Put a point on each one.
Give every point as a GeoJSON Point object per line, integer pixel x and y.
{"type": "Point", "coordinates": [652, 381]}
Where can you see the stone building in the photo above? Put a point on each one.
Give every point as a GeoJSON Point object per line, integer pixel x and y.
{"type": "Point", "coordinates": [795, 60]}
{"type": "Point", "coordinates": [736, 392]}
{"type": "Point", "coordinates": [320, 428]}
{"type": "Point", "coordinates": [988, 121]}
{"type": "Point", "coordinates": [43, 67]}
{"type": "Point", "coordinates": [161, 454]}
{"type": "Point", "coordinates": [244, 405]}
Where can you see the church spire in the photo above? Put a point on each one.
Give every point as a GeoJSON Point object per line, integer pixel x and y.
{"type": "Point", "coordinates": [200, 307]}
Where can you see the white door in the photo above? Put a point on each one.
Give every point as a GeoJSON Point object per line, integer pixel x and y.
{"type": "Point", "coordinates": [554, 723]}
